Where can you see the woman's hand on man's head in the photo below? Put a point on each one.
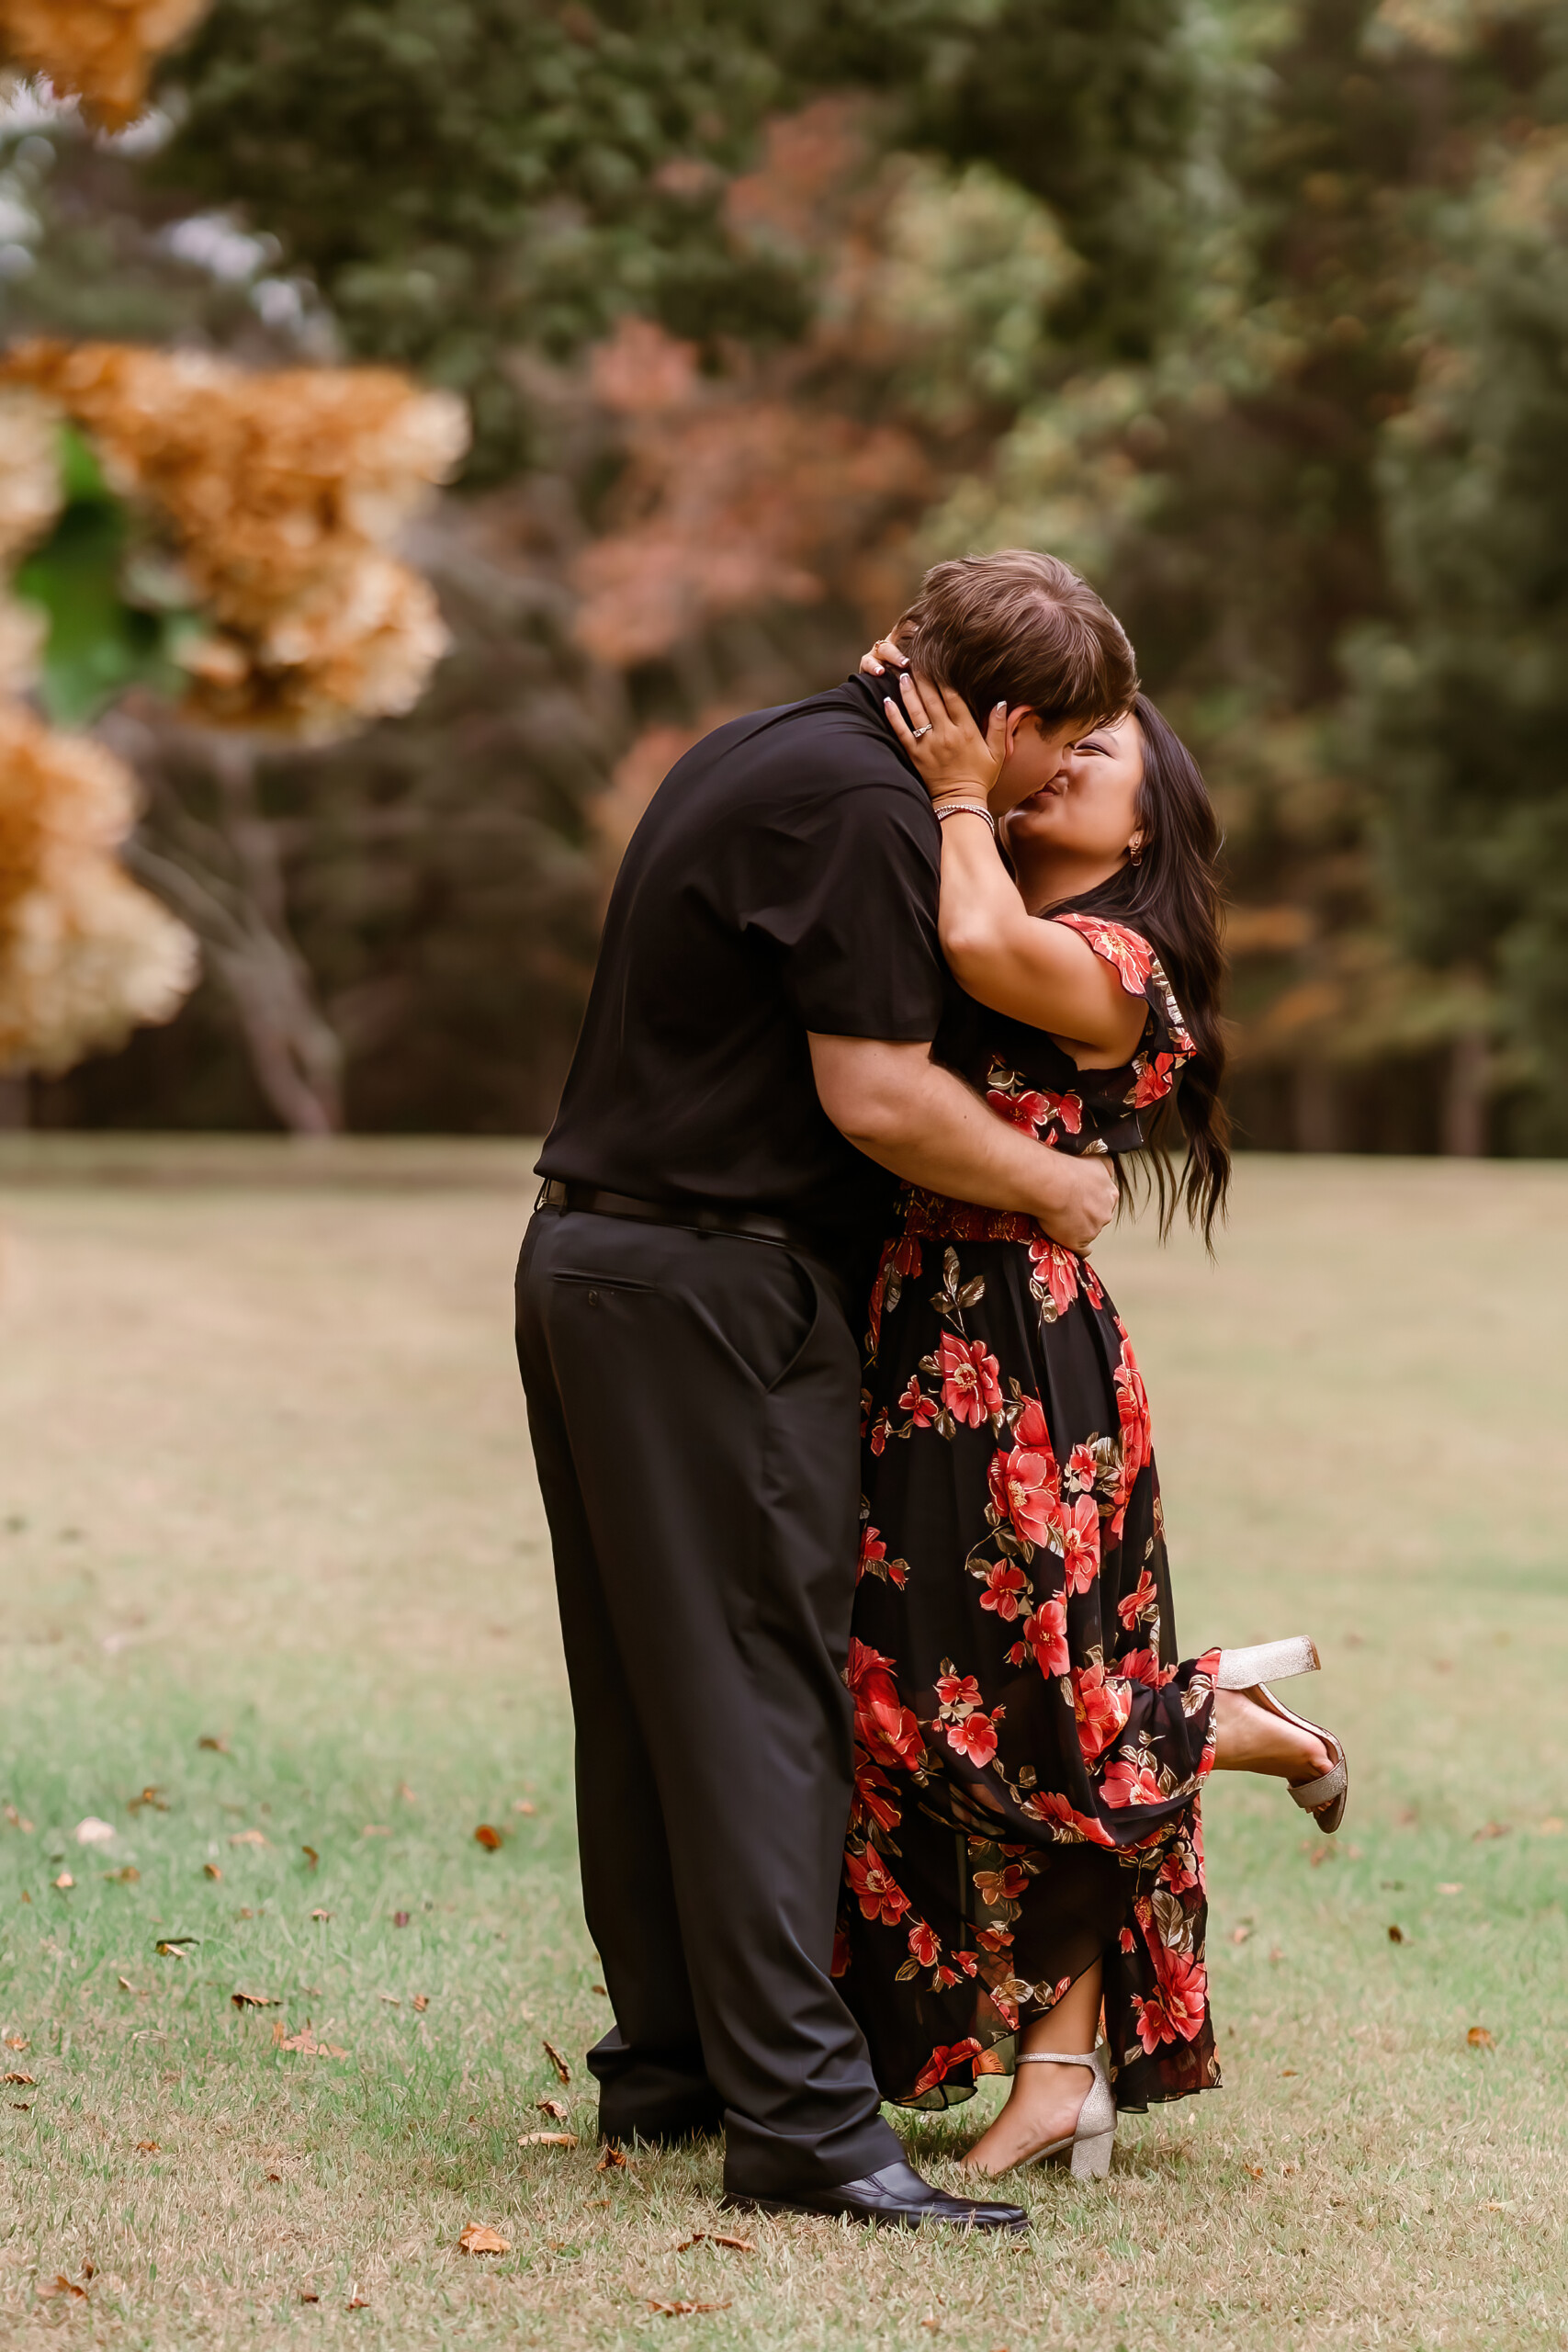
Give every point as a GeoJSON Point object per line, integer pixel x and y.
{"type": "Point", "coordinates": [935, 726]}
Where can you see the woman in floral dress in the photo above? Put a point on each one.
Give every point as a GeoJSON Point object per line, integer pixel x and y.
{"type": "Point", "coordinates": [1026, 1839]}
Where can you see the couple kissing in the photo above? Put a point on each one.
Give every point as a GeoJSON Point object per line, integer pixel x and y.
{"type": "Point", "coordinates": [889, 1768]}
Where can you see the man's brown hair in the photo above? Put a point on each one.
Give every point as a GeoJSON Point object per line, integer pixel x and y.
{"type": "Point", "coordinates": [1021, 628]}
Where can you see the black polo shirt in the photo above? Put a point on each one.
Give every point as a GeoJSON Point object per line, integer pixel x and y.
{"type": "Point", "coordinates": [784, 879]}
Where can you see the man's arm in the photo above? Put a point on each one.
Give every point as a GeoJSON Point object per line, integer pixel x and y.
{"type": "Point", "coordinates": [892, 1102]}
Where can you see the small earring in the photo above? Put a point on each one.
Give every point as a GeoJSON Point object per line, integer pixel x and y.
{"type": "Point", "coordinates": [1135, 849]}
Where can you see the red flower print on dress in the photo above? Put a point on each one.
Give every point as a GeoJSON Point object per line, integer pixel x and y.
{"type": "Point", "coordinates": [901, 1260]}
{"type": "Point", "coordinates": [1003, 1586]}
{"type": "Point", "coordinates": [996, 1940]}
{"type": "Point", "coordinates": [1178, 2007]}
{"type": "Point", "coordinates": [1068, 1108]}
{"type": "Point", "coordinates": [922, 1410]}
{"type": "Point", "coordinates": [975, 1736]}
{"type": "Point", "coordinates": [1127, 1940]}
{"type": "Point", "coordinates": [924, 1945]}
{"type": "Point", "coordinates": [1082, 1469]}
{"type": "Point", "coordinates": [1055, 1271]}
{"type": "Point", "coordinates": [955, 1689]}
{"type": "Point", "coordinates": [1028, 1110]}
{"type": "Point", "coordinates": [1142, 1666]}
{"type": "Point", "coordinates": [1155, 1076]}
{"type": "Point", "coordinates": [1127, 1784]}
{"type": "Point", "coordinates": [882, 1428]}
{"type": "Point", "coordinates": [1046, 1633]}
{"type": "Point", "coordinates": [1077, 1539]}
{"type": "Point", "coordinates": [874, 1560]}
{"type": "Point", "coordinates": [1102, 1707]}
{"type": "Point", "coordinates": [1050, 1804]}
{"type": "Point", "coordinates": [941, 2061]}
{"type": "Point", "coordinates": [879, 1895]}
{"type": "Point", "coordinates": [1133, 1409]}
{"type": "Point", "coordinates": [1132, 956]}
{"type": "Point", "coordinates": [1026, 1487]}
{"type": "Point", "coordinates": [971, 1388]}
{"type": "Point", "coordinates": [1176, 1870]}
{"type": "Point", "coordinates": [885, 1729]}
{"type": "Point", "coordinates": [870, 1802]}
{"type": "Point", "coordinates": [1141, 1603]}
{"type": "Point", "coordinates": [1001, 1886]}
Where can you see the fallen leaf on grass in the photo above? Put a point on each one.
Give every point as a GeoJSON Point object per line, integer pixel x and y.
{"type": "Point", "coordinates": [1451, 1886]}
{"type": "Point", "coordinates": [600, 1990]}
{"type": "Point", "coordinates": [1285, 2071]}
{"type": "Point", "coordinates": [613, 2160]}
{"type": "Point", "coordinates": [422, 2002]}
{"type": "Point", "coordinates": [25, 2082]}
{"type": "Point", "coordinates": [247, 2000]}
{"type": "Point", "coordinates": [16, 2040]}
{"type": "Point", "coordinates": [1549, 1827]}
{"type": "Point", "coordinates": [60, 2285]}
{"type": "Point", "coordinates": [249, 1838]}
{"type": "Point", "coordinates": [406, 1794]}
{"type": "Point", "coordinates": [1276, 1954]}
{"type": "Point", "coordinates": [478, 2239]}
{"type": "Point", "coordinates": [713, 2238]}
{"type": "Point", "coordinates": [549, 2140]}
{"type": "Point", "coordinates": [321, 1915]}
{"type": "Point", "coordinates": [150, 1796]}
{"type": "Point", "coordinates": [557, 2109]}
{"type": "Point", "coordinates": [681, 2310]}
{"type": "Point", "coordinates": [395, 1999]}
{"type": "Point", "coordinates": [357, 2303]}
{"type": "Point", "coordinates": [24, 2106]}
{"type": "Point", "coordinates": [307, 2296]}
{"type": "Point", "coordinates": [210, 1870]}
{"type": "Point", "coordinates": [1240, 1935]}
{"type": "Point", "coordinates": [94, 1832]}
{"type": "Point", "coordinates": [146, 2147]}
{"type": "Point", "coordinates": [1395, 1934]}
{"type": "Point", "coordinates": [1321, 1854]}
{"type": "Point", "coordinates": [64, 1882]}
{"type": "Point", "coordinates": [491, 1840]}
{"type": "Point", "coordinates": [1256, 2170]}
{"type": "Point", "coordinates": [304, 2042]}
{"type": "Point", "coordinates": [557, 2061]}
{"type": "Point", "coordinates": [522, 1806]}
{"type": "Point", "coordinates": [311, 1857]}
{"type": "Point", "coordinates": [400, 1918]}
{"type": "Point", "coordinates": [1492, 1829]}
{"type": "Point", "coordinates": [1498, 2205]}
{"type": "Point", "coordinates": [16, 1820]}
{"type": "Point", "coordinates": [1479, 2038]}
{"type": "Point", "coordinates": [169, 1946]}
{"type": "Point", "coordinates": [126, 1877]}
{"type": "Point", "coordinates": [217, 1746]}
{"type": "Point", "coordinates": [125, 1985]}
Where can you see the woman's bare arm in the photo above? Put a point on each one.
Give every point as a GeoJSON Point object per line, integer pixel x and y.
{"type": "Point", "coordinates": [1003, 957]}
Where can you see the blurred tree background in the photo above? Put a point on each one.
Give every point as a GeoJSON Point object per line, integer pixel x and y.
{"type": "Point", "coordinates": [1256, 309]}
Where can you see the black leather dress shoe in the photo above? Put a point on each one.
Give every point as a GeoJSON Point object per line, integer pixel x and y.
{"type": "Point", "coordinates": [894, 2199]}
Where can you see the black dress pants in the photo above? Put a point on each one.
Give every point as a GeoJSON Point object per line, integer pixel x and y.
{"type": "Point", "coordinates": [692, 1402]}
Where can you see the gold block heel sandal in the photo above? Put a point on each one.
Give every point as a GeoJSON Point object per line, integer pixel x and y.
{"type": "Point", "coordinates": [1251, 1670]}
{"type": "Point", "coordinates": [1087, 2147]}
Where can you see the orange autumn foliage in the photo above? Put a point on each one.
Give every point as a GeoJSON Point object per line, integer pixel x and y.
{"type": "Point", "coordinates": [280, 492]}
{"type": "Point", "coordinates": [98, 50]}
{"type": "Point", "coordinates": [85, 955]}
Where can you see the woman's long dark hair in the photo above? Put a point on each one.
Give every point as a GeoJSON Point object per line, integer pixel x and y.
{"type": "Point", "coordinates": [1173, 897]}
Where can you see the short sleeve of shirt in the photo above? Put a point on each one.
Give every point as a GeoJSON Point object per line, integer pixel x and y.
{"type": "Point", "coordinates": [854, 916]}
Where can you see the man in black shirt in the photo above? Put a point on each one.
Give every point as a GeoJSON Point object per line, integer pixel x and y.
{"type": "Point", "coordinates": [753, 1084]}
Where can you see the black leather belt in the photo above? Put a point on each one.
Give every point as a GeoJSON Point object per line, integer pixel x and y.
{"type": "Point", "coordinates": [692, 1216]}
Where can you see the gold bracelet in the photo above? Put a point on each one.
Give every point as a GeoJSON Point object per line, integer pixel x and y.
{"type": "Point", "coordinates": [967, 809]}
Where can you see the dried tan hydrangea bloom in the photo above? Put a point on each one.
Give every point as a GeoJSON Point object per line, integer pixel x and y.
{"type": "Point", "coordinates": [98, 50]}
{"type": "Point", "coordinates": [29, 501]}
{"type": "Point", "coordinates": [280, 492]}
{"type": "Point", "coordinates": [86, 955]}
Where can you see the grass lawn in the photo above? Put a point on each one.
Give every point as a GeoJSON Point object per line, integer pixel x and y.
{"type": "Point", "coordinates": [276, 1610]}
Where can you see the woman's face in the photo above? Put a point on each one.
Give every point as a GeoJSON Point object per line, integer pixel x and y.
{"type": "Point", "coordinates": [1088, 810]}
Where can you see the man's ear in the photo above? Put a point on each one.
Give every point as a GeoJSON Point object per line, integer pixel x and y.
{"type": "Point", "coordinates": [1017, 718]}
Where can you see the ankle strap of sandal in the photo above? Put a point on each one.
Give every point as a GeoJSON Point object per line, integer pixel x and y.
{"type": "Point", "coordinates": [1055, 2058]}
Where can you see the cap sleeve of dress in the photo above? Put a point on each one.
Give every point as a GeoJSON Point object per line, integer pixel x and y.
{"type": "Point", "coordinates": [1166, 1041]}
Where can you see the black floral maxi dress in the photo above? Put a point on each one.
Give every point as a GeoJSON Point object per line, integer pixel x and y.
{"type": "Point", "coordinates": [1029, 1750]}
